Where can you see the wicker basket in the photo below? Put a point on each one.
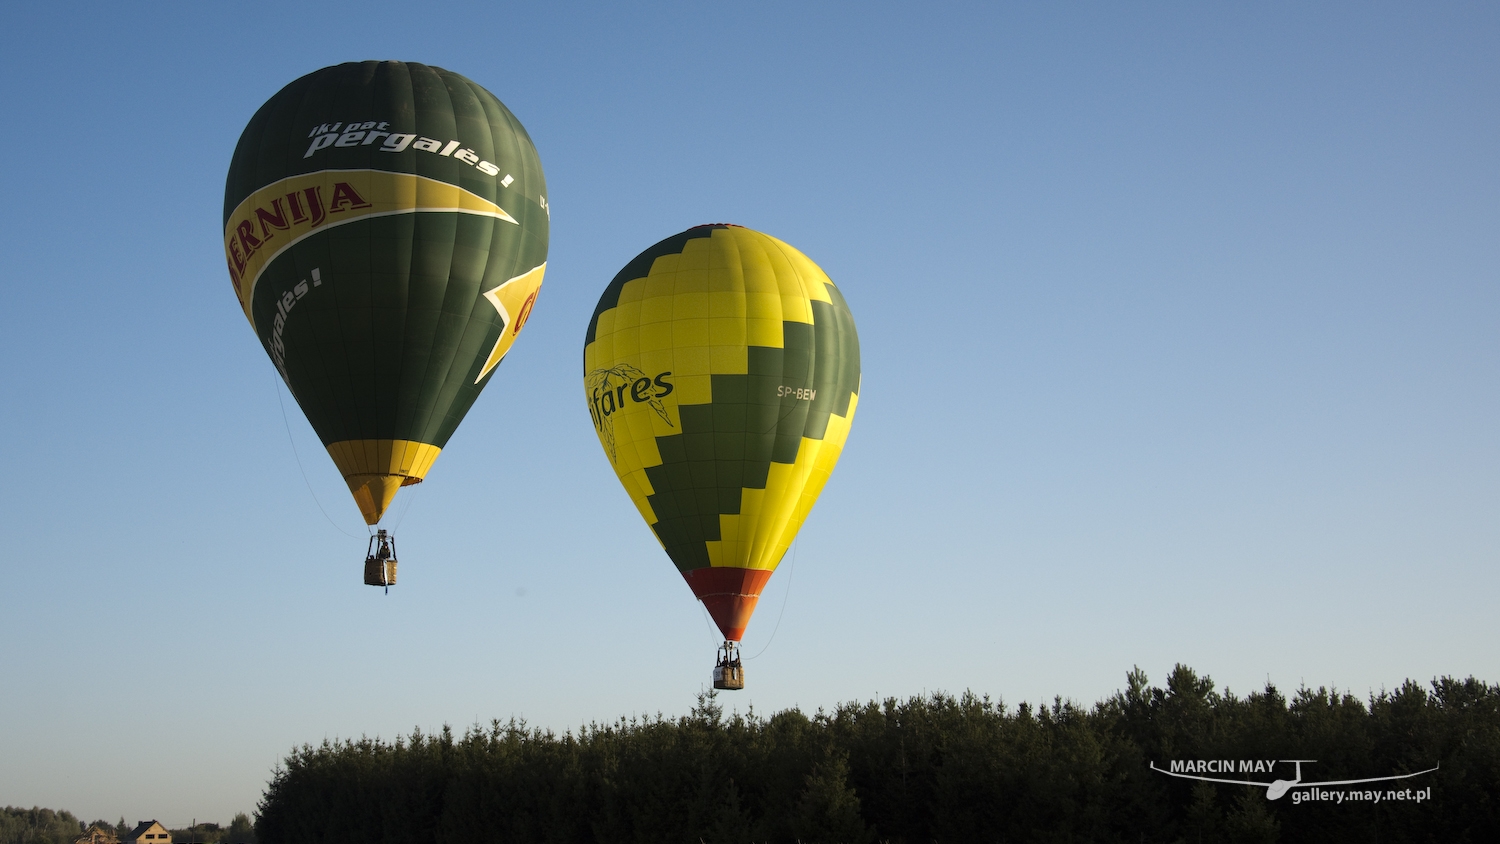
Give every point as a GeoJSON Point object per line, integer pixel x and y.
{"type": "Point", "coordinates": [380, 572]}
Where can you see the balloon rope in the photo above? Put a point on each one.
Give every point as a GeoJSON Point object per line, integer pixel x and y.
{"type": "Point", "coordinates": [784, 598]}
{"type": "Point", "coordinates": [289, 439]}
{"type": "Point", "coordinates": [411, 498]}
{"type": "Point", "coordinates": [713, 632]}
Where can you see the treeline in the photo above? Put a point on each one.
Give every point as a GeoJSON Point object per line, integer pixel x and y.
{"type": "Point", "coordinates": [920, 770]}
{"type": "Point", "coordinates": [45, 826]}
{"type": "Point", "coordinates": [239, 831]}
{"type": "Point", "coordinates": [40, 826]}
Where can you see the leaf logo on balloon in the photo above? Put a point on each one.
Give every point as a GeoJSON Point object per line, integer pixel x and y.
{"type": "Point", "coordinates": [609, 389]}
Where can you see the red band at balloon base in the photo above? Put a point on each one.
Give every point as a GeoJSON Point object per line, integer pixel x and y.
{"type": "Point", "coordinates": [729, 594]}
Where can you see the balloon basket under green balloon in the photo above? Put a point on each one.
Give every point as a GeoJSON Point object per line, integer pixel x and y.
{"type": "Point", "coordinates": [380, 560]}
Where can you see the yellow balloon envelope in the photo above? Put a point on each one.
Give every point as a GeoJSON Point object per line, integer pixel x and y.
{"type": "Point", "coordinates": [721, 369]}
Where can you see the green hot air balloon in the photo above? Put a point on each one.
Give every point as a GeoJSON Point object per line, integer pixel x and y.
{"type": "Point", "coordinates": [385, 226]}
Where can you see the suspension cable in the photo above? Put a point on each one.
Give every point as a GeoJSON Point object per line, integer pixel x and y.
{"type": "Point", "coordinates": [788, 594]}
{"type": "Point", "coordinates": [293, 442]}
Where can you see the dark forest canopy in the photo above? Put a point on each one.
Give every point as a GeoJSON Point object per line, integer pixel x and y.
{"type": "Point", "coordinates": [938, 768]}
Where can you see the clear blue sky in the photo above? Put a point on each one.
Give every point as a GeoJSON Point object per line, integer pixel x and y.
{"type": "Point", "coordinates": [1179, 331]}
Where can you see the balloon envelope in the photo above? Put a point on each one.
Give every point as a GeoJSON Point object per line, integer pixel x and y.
{"type": "Point", "coordinates": [721, 370]}
{"type": "Point", "coordinates": [385, 227]}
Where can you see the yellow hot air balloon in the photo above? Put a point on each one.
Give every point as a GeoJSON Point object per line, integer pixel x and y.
{"type": "Point", "coordinates": [721, 369]}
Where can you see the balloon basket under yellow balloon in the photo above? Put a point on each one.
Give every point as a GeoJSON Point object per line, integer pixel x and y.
{"type": "Point", "coordinates": [729, 673]}
{"type": "Point", "coordinates": [380, 560]}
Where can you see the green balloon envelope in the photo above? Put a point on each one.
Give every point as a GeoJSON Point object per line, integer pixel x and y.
{"type": "Point", "coordinates": [385, 228]}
